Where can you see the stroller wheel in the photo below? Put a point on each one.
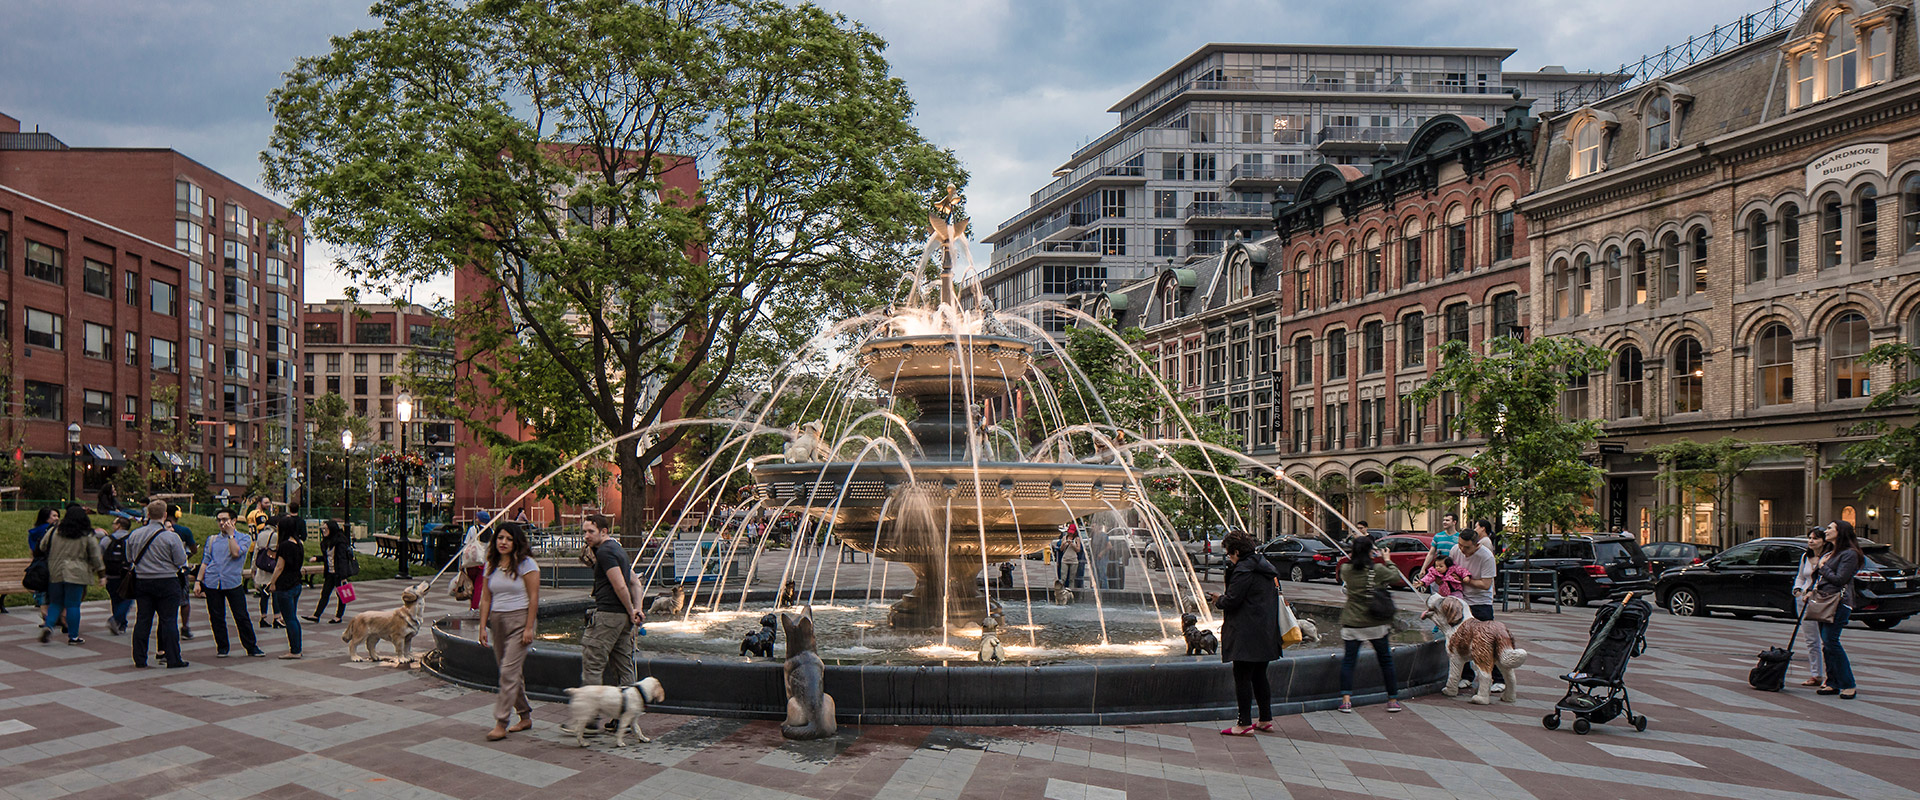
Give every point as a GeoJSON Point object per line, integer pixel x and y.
{"type": "Point", "coordinates": [1581, 726]}
{"type": "Point", "coordinates": [1639, 723]}
{"type": "Point", "coordinates": [1551, 721]}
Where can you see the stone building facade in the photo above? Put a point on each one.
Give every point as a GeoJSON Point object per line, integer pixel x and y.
{"type": "Point", "coordinates": [1735, 234]}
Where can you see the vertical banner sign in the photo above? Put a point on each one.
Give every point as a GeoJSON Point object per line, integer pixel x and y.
{"type": "Point", "coordinates": [1616, 504]}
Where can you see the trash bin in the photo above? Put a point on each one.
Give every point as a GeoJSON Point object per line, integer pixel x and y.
{"type": "Point", "coordinates": [1115, 576]}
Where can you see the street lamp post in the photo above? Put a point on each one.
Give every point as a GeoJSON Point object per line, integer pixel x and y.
{"type": "Point", "coordinates": [403, 407]}
{"type": "Point", "coordinates": [73, 459]}
{"type": "Point", "coordinates": [346, 479]}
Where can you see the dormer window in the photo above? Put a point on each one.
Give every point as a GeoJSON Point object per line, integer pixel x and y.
{"type": "Point", "coordinates": [1844, 52]}
{"type": "Point", "coordinates": [1659, 123]}
{"type": "Point", "coordinates": [1170, 299]}
{"type": "Point", "coordinates": [1842, 55]}
{"type": "Point", "coordinates": [1587, 133]}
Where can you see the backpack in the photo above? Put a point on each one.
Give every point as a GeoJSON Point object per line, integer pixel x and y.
{"type": "Point", "coordinates": [114, 555]}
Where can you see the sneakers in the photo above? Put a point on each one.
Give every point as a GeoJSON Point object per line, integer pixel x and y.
{"type": "Point", "coordinates": [1499, 687]}
{"type": "Point", "coordinates": [186, 635]}
{"type": "Point", "coordinates": [46, 633]}
{"type": "Point", "coordinates": [116, 627]}
{"type": "Point", "coordinates": [257, 654]}
{"type": "Point", "coordinates": [1346, 706]}
{"type": "Point", "coordinates": [1394, 707]}
{"type": "Point", "coordinates": [76, 640]}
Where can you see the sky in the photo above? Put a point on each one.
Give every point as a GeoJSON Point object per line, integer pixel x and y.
{"type": "Point", "coordinates": [1013, 88]}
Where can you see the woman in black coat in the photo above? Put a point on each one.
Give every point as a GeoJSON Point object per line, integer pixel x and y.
{"type": "Point", "coordinates": [1250, 629]}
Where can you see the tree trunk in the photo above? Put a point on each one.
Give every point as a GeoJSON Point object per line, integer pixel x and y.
{"type": "Point", "coordinates": [632, 524]}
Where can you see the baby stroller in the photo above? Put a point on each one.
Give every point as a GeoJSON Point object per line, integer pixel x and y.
{"type": "Point", "coordinates": [1596, 691]}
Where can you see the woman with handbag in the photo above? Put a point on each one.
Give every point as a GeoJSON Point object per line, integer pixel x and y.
{"type": "Point", "coordinates": [335, 553]}
{"type": "Point", "coordinates": [73, 563]}
{"type": "Point", "coordinates": [1833, 601]}
{"type": "Point", "coordinates": [1802, 591]}
{"type": "Point", "coordinates": [1367, 617]}
{"type": "Point", "coordinates": [1249, 629]}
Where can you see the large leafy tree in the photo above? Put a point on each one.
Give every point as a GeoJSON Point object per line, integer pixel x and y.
{"type": "Point", "coordinates": [1532, 462]}
{"type": "Point", "coordinates": [1895, 447]}
{"type": "Point", "coordinates": [538, 143]}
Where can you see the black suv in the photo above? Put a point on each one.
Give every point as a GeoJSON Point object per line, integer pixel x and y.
{"type": "Point", "coordinates": [1756, 577]}
{"type": "Point", "coordinates": [1591, 566]}
{"type": "Point", "coordinates": [1666, 555]}
{"type": "Point", "coordinates": [1302, 558]}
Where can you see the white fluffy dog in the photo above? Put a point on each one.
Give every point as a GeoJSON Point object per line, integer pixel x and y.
{"type": "Point", "coordinates": [624, 704]}
{"type": "Point", "coordinates": [1484, 644]}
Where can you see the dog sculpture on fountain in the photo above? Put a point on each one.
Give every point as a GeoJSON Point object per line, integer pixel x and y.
{"type": "Point", "coordinates": [1484, 644]}
{"type": "Point", "coordinates": [760, 642]}
{"type": "Point", "coordinates": [991, 651]}
{"type": "Point", "coordinates": [810, 710]}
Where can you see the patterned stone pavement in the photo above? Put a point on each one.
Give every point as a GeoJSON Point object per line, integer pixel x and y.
{"type": "Point", "coordinates": [81, 721]}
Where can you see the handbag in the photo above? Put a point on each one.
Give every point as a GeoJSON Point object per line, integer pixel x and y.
{"type": "Point", "coordinates": [1824, 606]}
{"type": "Point", "coordinates": [1290, 633]}
{"type": "Point", "coordinates": [127, 579]}
{"type": "Point", "coordinates": [1379, 599]}
{"type": "Point", "coordinates": [38, 577]}
{"type": "Point", "coordinates": [463, 586]}
{"type": "Point", "coordinates": [345, 593]}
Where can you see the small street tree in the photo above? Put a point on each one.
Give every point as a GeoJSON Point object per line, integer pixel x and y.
{"type": "Point", "coordinates": [1894, 447]}
{"type": "Point", "coordinates": [1711, 469]}
{"type": "Point", "coordinates": [546, 149]}
{"type": "Point", "coordinates": [1533, 462]}
{"type": "Point", "coordinates": [1414, 490]}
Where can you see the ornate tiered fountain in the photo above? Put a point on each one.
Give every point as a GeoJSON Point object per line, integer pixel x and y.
{"type": "Point", "coordinates": [946, 514]}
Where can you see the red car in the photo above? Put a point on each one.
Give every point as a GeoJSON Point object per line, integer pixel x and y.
{"type": "Point", "coordinates": [1406, 551]}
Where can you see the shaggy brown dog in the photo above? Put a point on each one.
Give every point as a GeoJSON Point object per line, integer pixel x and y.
{"type": "Point", "coordinates": [397, 625]}
{"type": "Point", "coordinates": [1485, 644]}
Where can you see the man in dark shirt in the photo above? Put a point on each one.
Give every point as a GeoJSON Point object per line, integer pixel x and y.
{"type": "Point", "coordinates": [606, 646]}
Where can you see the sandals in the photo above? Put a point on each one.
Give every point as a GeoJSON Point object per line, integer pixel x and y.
{"type": "Point", "coordinates": [1237, 731]}
{"type": "Point", "coordinates": [1346, 706]}
{"type": "Point", "coordinates": [1827, 690]}
{"type": "Point", "coordinates": [1811, 682]}
{"type": "Point", "coordinates": [1264, 727]}
{"type": "Point", "coordinates": [1847, 696]}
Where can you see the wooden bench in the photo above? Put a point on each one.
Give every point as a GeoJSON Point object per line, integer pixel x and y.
{"type": "Point", "coordinates": [12, 572]}
{"type": "Point", "coordinates": [387, 545]}
{"type": "Point", "coordinates": [309, 572]}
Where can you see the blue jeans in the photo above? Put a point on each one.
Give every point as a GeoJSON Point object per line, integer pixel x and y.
{"type": "Point", "coordinates": [1382, 652]}
{"type": "Point", "coordinates": [64, 598]}
{"type": "Point", "coordinates": [286, 603]}
{"type": "Point", "coordinates": [1839, 669]}
{"type": "Point", "coordinates": [121, 605]}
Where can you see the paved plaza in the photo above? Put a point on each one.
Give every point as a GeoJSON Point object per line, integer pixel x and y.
{"type": "Point", "coordinates": [81, 721]}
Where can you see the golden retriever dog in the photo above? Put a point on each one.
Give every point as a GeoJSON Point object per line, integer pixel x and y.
{"type": "Point", "coordinates": [397, 626]}
{"type": "Point", "coordinates": [1485, 644]}
{"type": "Point", "coordinates": [622, 704]}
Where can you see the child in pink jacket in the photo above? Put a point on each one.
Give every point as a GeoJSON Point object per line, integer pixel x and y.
{"type": "Point", "coordinates": [1444, 578]}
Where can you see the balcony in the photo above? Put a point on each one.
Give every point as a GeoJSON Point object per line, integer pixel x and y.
{"type": "Point", "coordinates": [1053, 252]}
{"type": "Point", "coordinates": [1360, 139]}
{"type": "Point", "coordinates": [1236, 212]}
{"type": "Point", "coordinates": [1322, 86]}
{"type": "Point", "coordinates": [1264, 176]}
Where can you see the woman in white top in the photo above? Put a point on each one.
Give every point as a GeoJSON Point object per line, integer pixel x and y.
{"type": "Point", "coordinates": [510, 615]}
{"type": "Point", "coordinates": [1802, 586]}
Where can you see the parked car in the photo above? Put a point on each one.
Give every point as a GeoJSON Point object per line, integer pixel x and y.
{"type": "Point", "coordinates": [1301, 558]}
{"type": "Point", "coordinates": [1591, 566]}
{"type": "Point", "coordinates": [1199, 551]}
{"type": "Point", "coordinates": [1756, 577]}
{"type": "Point", "coordinates": [1406, 551]}
{"type": "Point", "coordinates": [1663, 556]}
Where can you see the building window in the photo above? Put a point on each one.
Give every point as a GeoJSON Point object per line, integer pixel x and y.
{"type": "Point", "coordinates": [1688, 371]}
{"type": "Point", "coordinates": [1503, 234]}
{"type": "Point", "coordinates": [1169, 300]}
{"type": "Point", "coordinates": [360, 363]}
{"type": "Point", "coordinates": [46, 263]}
{"type": "Point", "coordinates": [96, 340]}
{"type": "Point", "coordinates": [1586, 148]}
{"type": "Point", "coordinates": [1413, 340]}
{"type": "Point", "coordinates": [1757, 247]}
{"type": "Point", "coordinates": [1866, 226]}
{"type": "Point", "coordinates": [1336, 355]}
{"type": "Point", "coordinates": [1560, 279]}
{"type": "Point", "coordinates": [1370, 262]}
{"type": "Point", "coordinates": [1113, 241]}
{"type": "Point", "coordinates": [372, 333]}
{"type": "Point", "coordinates": [1166, 205]}
{"type": "Point", "coordinates": [1373, 347]}
{"type": "Point", "coordinates": [1204, 168]}
{"type": "Point", "coordinates": [1456, 322]}
{"type": "Point", "coordinates": [1574, 401]}
{"type": "Point", "coordinates": [1670, 267]}
{"type": "Point", "coordinates": [1456, 247]}
{"type": "Point", "coordinates": [163, 298]}
{"type": "Point", "coordinates": [1166, 243]}
{"type": "Point", "coordinates": [1303, 361]}
{"type": "Point", "coordinates": [1506, 315]}
{"type": "Point", "coordinates": [96, 408]}
{"type": "Point", "coordinates": [1582, 284]}
{"type": "Point", "coordinates": [1803, 72]}
{"type": "Point", "coordinates": [1879, 54]}
{"type": "Point", "coordinates": [1698, 241]}
{"type": "Point", "coordinates": [1055, 278]}
{"type": "Point", "coordinates": [1336, 280]}
{"type": "Point", "coordinates": [1410, 254]}
{"type": "Point", "coordinates": [1842, 55]}
{"type": "Point", "coordinates": [45, 329]}
{"type": "Point", "coordinates": [133, 348]}
{"type": "Point", "coordinates": [96, 278]}
{"type": "Point", "coordinates": [1830, 231]}
{"type": "Point", "coordinates": [1303, 285]}
{"type": "Point", "coordinates": [1846, 341]}
{"type": "Point", "coordinates": [45, 401]}
{"type": "Point", "coordinates": [1773, 365]}
{"type": "Point", "coordinates": [1331, 438]}
{"type": "Point", "coordinates": [1615, 279]}
{"type": "Point", "coordinates": [1629, 389]}
{"type": "Point", "coordinates": [1113, 202]}
{"type": "Point", "coordinates": [323, 333]}
{"type": "Point", "coordinates": [1173, 167]}
{"type": "Point", "coordinates": [1660, 122]}
{"type": "Point", "coordinates": [1789, 240]}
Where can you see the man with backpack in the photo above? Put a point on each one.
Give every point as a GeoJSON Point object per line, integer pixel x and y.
{"type": "Point", "coordinates": [113, 552]}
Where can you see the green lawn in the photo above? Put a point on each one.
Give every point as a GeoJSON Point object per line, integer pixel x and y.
{"type": "Point", "coordinates": [13, 544]}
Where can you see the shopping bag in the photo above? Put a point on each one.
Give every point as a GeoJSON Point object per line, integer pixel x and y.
{"type": "Point", "coordinates": [345, 593]}
{"type": "Point", "coordinates": [1289, 626]}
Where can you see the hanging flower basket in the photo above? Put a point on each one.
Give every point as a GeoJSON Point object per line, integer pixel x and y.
{"type": "Point", "coordinates": [395, 466]}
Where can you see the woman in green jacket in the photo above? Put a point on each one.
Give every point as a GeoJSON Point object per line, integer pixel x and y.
{"type": "Point", "coordinates": [1359, 621]}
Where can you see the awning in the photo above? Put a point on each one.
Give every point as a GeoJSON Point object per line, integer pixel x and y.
{"type": "Point", "coordinates": [104, 455]}
{"type": "Point", "coordinates": [170, 460]}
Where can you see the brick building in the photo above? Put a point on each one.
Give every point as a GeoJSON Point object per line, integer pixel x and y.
{"type": "Point", "coordinates": [151, 300]}
{"type": "Point", "coordinates": [1736, 233]}
{"type": "Point", "coordinates": [367, 353]}
{"type": "Point", "coordinates": [1305, 343]}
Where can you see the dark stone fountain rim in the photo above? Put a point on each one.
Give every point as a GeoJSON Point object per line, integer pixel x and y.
{"type": "Point", "coordinates": [1094, 692]}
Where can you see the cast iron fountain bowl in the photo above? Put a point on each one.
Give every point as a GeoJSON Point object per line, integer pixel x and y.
{"type": "Point", "coordinates": [943, 363]}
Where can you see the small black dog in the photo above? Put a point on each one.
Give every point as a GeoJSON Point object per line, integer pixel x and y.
{"type": "Point", "coordinates": [789, 594]}
{"type": "Point", "coordinates": [1199, 640]}
{"type": "Point", "coordinates": [760, 643]}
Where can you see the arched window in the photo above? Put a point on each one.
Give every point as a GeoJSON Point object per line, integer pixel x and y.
{"type": "Point", "coordinates": [1583, 284]}
{"type": "Point", "coordinates": [1170, 299]}
{"type": "Point", "coordinates": [1659, 122]}
{"type": "Point", "coordinates": [1842, 55]}
{"type": "Point", "coordinates": [1773, 366]}
{"type": "Point", "coordinates": [1586, 148]}
{"type": "Point", "coordinates": [1866, 226]}
{"type": "Point", "coordinates": [1757, 266]}
{"type": "Point", "coordinates": [1789, 240]}
{"type": "Point", "coordinates": [1615, 277]}
{"type": "Point", "coordinates": [1456, 240]}
{"type": "Point", "coordinates": [1669, 267]}
{"type": "Point", "coordinates": [1910, 213]}
{"type": "Point", "coordinates": [1846, 342]}
{"type": "Point", "coordinates": [1697, 259]}
{"type": "Point", "coordinates": [1410, 255]}
{"type": "Point", "coordinates": [1688, 371]}
{"type": "Point", "coordinates": [1372, 268]}
{"type": "Point", "coordinates": [1830, 231]}
{"type": "Point", "coordinates": [1629, 386]}
{"type": "Point", "coordinates": [1239, 279]}
{"type": "Point", "coordinates": [1562, 280]}
{"type": "Point", "coordinates": [1637, 280]}
{"type": "Point", "coordinates": [1337, 275]}
{"type": "Point", "coordinates": [1302, 284]}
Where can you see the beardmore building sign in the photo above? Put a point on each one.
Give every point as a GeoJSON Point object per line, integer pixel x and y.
{"type": "Point", "coordinates": [1737, 233]}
